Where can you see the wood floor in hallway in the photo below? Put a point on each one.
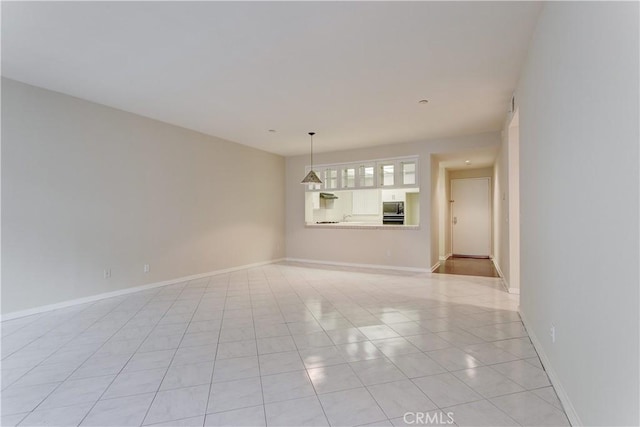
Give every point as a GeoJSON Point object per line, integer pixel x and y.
{"type": "Point", "coordinates": [468, 267]}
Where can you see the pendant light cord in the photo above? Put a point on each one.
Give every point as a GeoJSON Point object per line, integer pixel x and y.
{"type": "Point", "coordinates": [311, 134]}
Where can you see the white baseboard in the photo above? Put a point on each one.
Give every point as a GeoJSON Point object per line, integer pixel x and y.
{"type": "Point", "coordinates": [349, 264]}
{"type": "Point", "coordinates": [503, 279]}
{"type": "Point", "coordinates": [435, 267]}
{"type": "Point", "coordinates": [574, 419]}
{"type": "Point", "coordinates": [92, 298]}
{"type": "Point", "coordinates": [497, 266]}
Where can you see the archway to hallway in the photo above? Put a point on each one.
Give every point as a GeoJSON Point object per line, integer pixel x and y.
{"type": "Point", "coordinates": [468, 165]}
{"type": "Point", "coordinates": [501, 163]}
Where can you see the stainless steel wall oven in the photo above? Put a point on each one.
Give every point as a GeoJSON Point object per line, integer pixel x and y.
{"type": "Point", "coordinates": [393, 213]}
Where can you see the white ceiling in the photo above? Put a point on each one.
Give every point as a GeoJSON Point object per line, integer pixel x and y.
{"type": "Point", "coordinates": [351, 71]}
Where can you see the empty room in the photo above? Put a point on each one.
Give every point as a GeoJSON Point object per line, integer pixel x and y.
{"type": "Point", "coordinates": [320, 213]}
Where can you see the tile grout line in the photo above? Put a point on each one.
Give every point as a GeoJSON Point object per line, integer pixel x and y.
{"type": "Point", "coordinates": [253, 322]}
{"type": "Point", "coordinates": [80, 365]}
{"type": "Point", "coordinates": [131, 357]}
{"type": "Point", "coordinates": [306, 371]}
{"type": "Point", "coordinates": [215, 356]}
{"type": "Point", "coordinates": [176, 350]}
{"type": "Point", "coordinates": [44, 316]}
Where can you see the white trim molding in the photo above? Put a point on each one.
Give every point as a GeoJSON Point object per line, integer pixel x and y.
{"type": "Point", "coordinates": [503, 279]}
{"type": "Point", "coordinates": [445, 257]}
{"type": "Point", "coordinates": [435, 266]}
{"type": "Point", "coordinates": [497, 266]}
{"type": "Point", "coordinates": [349, 264]}
{"type": "Point", "coordinates": [92, 298]}
{"type": "Point", "coordinates": [569, 409]}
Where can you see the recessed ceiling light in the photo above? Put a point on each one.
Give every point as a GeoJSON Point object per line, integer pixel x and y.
{"type": "Point", "coordinates": [272, 130]}
{"type": "Point", "coordinates": [423, 101]}
{"type": "Point", "coordinates": [467, 162]}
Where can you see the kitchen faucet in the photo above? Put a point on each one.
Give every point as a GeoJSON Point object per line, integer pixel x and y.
{"type": "Point", "coordinates": [345, 216]}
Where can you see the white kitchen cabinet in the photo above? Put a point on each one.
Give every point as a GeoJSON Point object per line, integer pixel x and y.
{"type": "Point", "coordinates": [366, 175]}
{"type": "Point", "coordinates": [396, 172]}
{"type": "Point", "coordinates": [408, 172]}
{"type": "Point", "coordinates": [348, 178]}
{"type": "Point", "coordinates": [387, 174]}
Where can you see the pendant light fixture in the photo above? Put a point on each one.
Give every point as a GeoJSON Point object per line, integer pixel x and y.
{"type": "Point", "coordinates": [311, 177]}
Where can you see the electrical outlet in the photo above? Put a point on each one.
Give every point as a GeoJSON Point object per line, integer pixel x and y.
{"type": "Point", "coordinates": [146, 268]}
{"type": "Point", "coordinates": [552, 332]}
{"type": "Point", "coordinates": [107, 273]}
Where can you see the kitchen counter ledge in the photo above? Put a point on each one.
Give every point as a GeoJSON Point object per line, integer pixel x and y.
{"type": "Point", "coordinates": [349, 225]}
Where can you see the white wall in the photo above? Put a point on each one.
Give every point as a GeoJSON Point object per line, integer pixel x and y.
{"type": "Point", "coordinates": [446, 230]}
{"type": "Point", "coordinates": [443, 213]}
{"type": "Point", "coordinates": [471, 173]}
{"type": "Point", "coordinates": [513, 198]}
{"type": "Point", "coordinates": [501, 210]}
{"type": "Point", "coordinates": [436, 208]}
{"type": "Point", "coordinates": [579, 188]}
{"type": "Point", "coordinates": [86, 187]}
{"type": "Point", "coordinates": [408, 248]}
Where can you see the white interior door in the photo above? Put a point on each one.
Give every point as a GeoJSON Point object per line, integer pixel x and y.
{"type": "Point", "coordinates": [471, 216]}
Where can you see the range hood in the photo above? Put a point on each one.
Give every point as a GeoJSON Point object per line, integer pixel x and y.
{"type": "Point", "coordinates": [329, 196]}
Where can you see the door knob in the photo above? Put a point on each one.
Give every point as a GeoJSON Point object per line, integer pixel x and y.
{"type": "Point", "coordinates": [455, 219]}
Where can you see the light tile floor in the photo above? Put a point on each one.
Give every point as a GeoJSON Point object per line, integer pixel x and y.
{"type": "Point", "coordinates": [284, 344]}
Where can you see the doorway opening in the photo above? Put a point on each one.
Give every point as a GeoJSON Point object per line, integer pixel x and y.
{"type": "Point", "coordinates": [447, 169]}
